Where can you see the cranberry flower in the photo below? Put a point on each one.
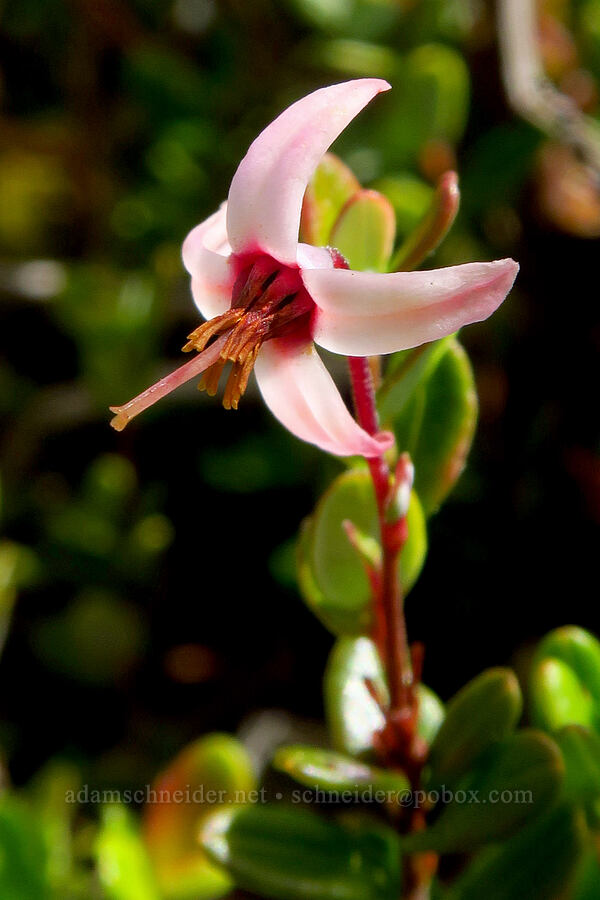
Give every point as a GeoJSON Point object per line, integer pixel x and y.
{"type": "Point", "coordinates": [269, 299]}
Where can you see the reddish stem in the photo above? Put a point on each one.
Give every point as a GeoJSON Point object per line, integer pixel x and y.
{"type": "Point", "coordinates": [393, 537]}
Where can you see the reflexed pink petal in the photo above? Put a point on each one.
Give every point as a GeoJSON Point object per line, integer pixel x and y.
{"type": "Point", "coordinates": [205, 255]}
{"type": "Point", "coordinates": [265, 197]}
{"type": "Point", "coordinates": [362, 314]}
{"type": "Point", "coordinates": [300, 392]}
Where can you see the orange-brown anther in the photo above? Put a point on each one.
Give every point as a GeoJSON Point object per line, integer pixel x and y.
{"type": "Point", "coordinates": [210, 379]}
{"type": "Point", "coordinates": [266, 300]}
{"type": "Point", "coordinates": [200, 337]}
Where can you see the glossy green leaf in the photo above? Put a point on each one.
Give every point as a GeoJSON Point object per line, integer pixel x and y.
{"type": "Point", "coordinates": [331, 574]}
{"type": "Point", "coordinates": [578, 649]}
{"type": "Point", "coordinates": [23, 857]}
{"type": "Point", "coordinates": [557, 696]}
{"type": "Point", "coordinates": [328, 770]}
{"type": "Point", "coordinates": [364, 232]}
{"type": "Point", "coordinates": [483, 712]}
{"type": "Point", "coordinates": [287, 853]}
{"type": "Point", "coordinates": [353, 714]}
{"type": "Point", "coordinates": [213, 771]}
{"type": "Point", "coordinates": [331, 186]}
{"type": "Point", "coordinates": [124, 868]}
{"type": "Point", "coordinates": [436, 423]}
{"type": "Point", "coordinates": [537, 863]}
{"type": "Point", "coordinates": [513, 783]}
{"type": "Point", "coordinates": [580, 748]}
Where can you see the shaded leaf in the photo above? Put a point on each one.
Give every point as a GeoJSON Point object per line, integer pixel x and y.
{"type": "Point", "coordinates": [512, 784]}
{"type": "Point", "coordinates": [433, 417]}
{"type": "Point", "coordinates": [537, 863]}
{"type": "Point", "coordinates": [293, 854]}
{"type": "Point", "coordinates": [483, 712]}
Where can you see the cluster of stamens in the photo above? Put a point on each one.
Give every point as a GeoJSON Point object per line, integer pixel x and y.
{"type": "Point", "coordinates": [267, 299]}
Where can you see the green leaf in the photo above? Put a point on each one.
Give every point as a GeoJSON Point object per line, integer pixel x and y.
{"type": "Point", "coordinates": [431, 714]}
{"type": "Point", "coordinates": [410, 197]}
{"type": "Point", "coordinates": [23, 856]}
{"type": "Point", "coordinates": [430, 99]}
{"type": "Point", "coordinates": [578, 649]}
{"type": "Point", "coordinates": [515, 781]}
{"type": "Point", "coordinates": [52, 792]}
{"type": "Point", "coordinates": [124, 868]}
{"type": "Point", "coordinates": [331, 771]}
{"type": "Point", "coordinates": [581, 752]}
{"type": "Point", "coordinates": [433, 417]}
{"type": "Point", "coordinates": [292, 854]}
{"type": "Point", "coordinates": [331, 186]}
{"type": "Point", "coordinates": [587, 879]}
{"type": "Point", "coordinates": [483, 712]}
{"type": "Point", "coordinates": [364, 232]}
{"type": "Point", "coordinates": [537, 863]}
{"type": "Point", "coordinates": [214, 771]}
{"type": "Point", "coordinates": [352, 18]}
{"type": "Point", "coordinates": [557, 696]}
{"type": "Point", "coordinates": [331, 574]}
{"type": "Point", "coordinates": [405, 371]}
{"type": "Point", "coordinates": [353, 714]}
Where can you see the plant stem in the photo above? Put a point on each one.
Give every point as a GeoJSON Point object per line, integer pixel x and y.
{"type": "Point", "coordinates": [398, 660]}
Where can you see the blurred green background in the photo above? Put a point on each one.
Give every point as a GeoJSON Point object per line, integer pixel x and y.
{"type": "Point", "coordinates": [147, 586]}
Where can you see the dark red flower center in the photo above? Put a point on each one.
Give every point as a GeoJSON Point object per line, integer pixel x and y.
{"type": "Point", "coordinates": [268, 301]}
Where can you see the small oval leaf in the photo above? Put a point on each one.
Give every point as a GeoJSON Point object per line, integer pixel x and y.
{"type": "Point", "coordinates": [332, 577]}
{"type": "Point", "coordinates": [355, 713]}
{"type": "Point", "coordinates": [364, 232]}
{"type": "Point", "coordinates": [293, 854]}
{"type": "Point", "coordinates": [578, 649]}
{"type": "Point", "coordinates": [510, 786]}
{"type": "Point", "coordinates": [331, 771]}
{"type": "Point", "coordinates": [331, 186]}
{"type": "Point", "coordinates": [213, 770]}
{"type": "Point", "coordinates": [580, 748]}
{"type": "Point", "coordinates": [436, 422]}
{"type": "Point", "coordinates": [557, 696]}
{"type": "Point", "coordinates": [537, 863]}
{"type": "Point", "coordinates": [483, 712]}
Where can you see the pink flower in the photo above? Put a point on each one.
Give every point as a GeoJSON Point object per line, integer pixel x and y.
{"type": "Point", "coordinates": [269, 299]}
